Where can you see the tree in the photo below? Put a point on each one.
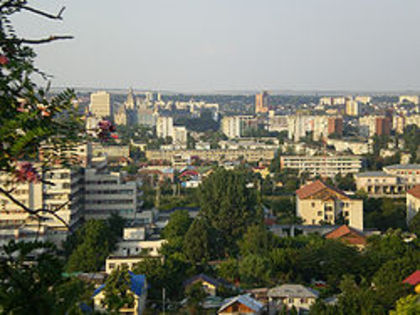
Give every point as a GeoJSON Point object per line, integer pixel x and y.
{"type": "Point", "coordinates": [155, 275]}
{"type": "Point", "coordinates": [92, 249]}
{"type": "Point", "coordinates": [197, 243]}
{"type": "Point", "coordinates": [229, 270]}
{"type": "Point", "coordinates": [37, 287]}
{"type": "Point", "coordinates": [228, 205]}
{"type": "Point", "coordinates": [256, 241]}
{"type": "Point", "coordinates": [195, 295]}
{"type": "Point", "coordinates": [117, 291]}
{"type": "Point", "coordinates": [178, 225]}
{"type": "Point", "coordinates": [254, 270]}
{"type": "Point", "coordinates": [409, 305]}
{"type": "Point", "coordinates": [414, 224]}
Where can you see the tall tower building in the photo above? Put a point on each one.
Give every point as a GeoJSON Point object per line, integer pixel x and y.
{"type": "Point", "coordinates": [164, 127]}
{"type": "Point", "coordinates": [261, 102]}
{"type": "Point", "coordinates": [100, 104]}
{"type": "Point", "coordinates": [130, 103]}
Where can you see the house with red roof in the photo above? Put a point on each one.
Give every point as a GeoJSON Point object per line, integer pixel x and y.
{"type": "Point", "coordinates": [318, 203]}
{"type": "Point", "coordinates": [414, 280]}
{"type": "Point", "coordinates": [347, 235]}
{"type": "Point", "coordinates": [413, 202]}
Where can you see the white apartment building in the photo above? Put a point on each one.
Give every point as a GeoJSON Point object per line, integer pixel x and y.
{"type": "Point", "coordinates": [164, 127]}
{"type": "Point", "coordinates": [179, 137]}
{"type": "Point", "coordinates": [299, 126]}
{"type": "Point", "coordinates": [322, 165]}
{"type": "Point", "coordinates": [363, 99]}
{"type": "Point", "coordinates": [413, 202]}
{"type": "Point", "coordinates": [108, 192]}
{"type": "Point", "coordinates": [62, 189]}
{"type": "Point", "coordinates": [231, 126]}
{"type": "Point", "coordinates": [352, 107]}
{"type": "Point", "coordinates": [100, 104]}
{"type": "Point", "coordinates": [409, 99]}
{"type": "Point", "coordinates": [318, 203]}
{"type": "Point", "coordinates": [356, 147]}
{"type": "Point", "coordinates": [276, 122]}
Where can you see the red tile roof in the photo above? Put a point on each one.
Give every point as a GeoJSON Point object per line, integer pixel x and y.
{"type": "Point", "coordinates": [415, 191]}
{"type": "Point", "coordinates": [348, 234]}
{"type": "Point", "coordinates": [315, 187]}
{"type": "Point", "coordinates": [413, 279]}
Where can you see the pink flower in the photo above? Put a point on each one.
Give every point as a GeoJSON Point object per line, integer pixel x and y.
{"type": "Point", "coordinates": [114, 136]}
{"type": "Point", "coordinates": [26, 172]}
{"type": "Point", "coordinates": [3, 60]}
{"type": "Point", "coordinates": [43, 109]}
{"type": "Point", "coordinates": [105, 129]}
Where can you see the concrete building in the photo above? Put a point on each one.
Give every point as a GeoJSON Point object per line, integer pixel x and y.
{"type": "Point", "coordinates": [277, 123]}
{"type": "Point", "coordinates": [108, 192]}
{"type": "Point", "coordinates": [392, 182]}
{"type": "Point", "coordinates": [375, 125]}
{"type": "Point", "coordinates": [120, 116]}
{"type": "Point", "coordinates": [261, 102]}
{"type": "Point", "coordinates": [100, 104]}
{"type": "Point", "coordinates": [335, 126]}
{"type": "Point", "coordinates": [164, 127]}
{"type": "Point", "coordinates": [235, 126]}
{"type": "Point", "coordinates": [322, 165]}
{"type": "Point", "coordinates": [352, 107]}
{"type": "Point", "coordinates": [299, 126]}
{"type": "Point", "coordinates": [291, 295]}
{"type": "Point", "coordinates": [413, 202]}
{"type": "Point", "coordinates": [409, 99]}
{"type": "Point", "coordinates": [319, 203]}
{"type": "Point", "coordinates": [180, 135]}
{"type": "Point", "coordinates": [355, 147]}
{"type": "Point", "coordinates": [363, 99]}
{"type": "Point", "coordinates": [211, 155]}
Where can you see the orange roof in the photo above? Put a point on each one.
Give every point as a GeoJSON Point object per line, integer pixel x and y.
{"type": "Point", "coordinates": [347, 233]}
{"type": "Point", "coordinates": [415, 191]}
{"type": "Point", "coordinates": [315, 187]}
{"type": "Point", "coordinates": [413, 279]}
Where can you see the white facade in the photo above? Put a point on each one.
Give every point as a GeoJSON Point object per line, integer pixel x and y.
{"type": "Point", "coordinates": [100, 104]}
{"type": "Point", "coordinates": [164, 127]}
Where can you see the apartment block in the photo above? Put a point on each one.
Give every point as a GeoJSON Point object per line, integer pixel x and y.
{"type": "Point", "coordinates": [328, 166]}
{"type": "Point", "coordinates": [235, 126]}
{"type": "Point", "coordinates": [108, 192]}
{"type": "Point", "coordinates": [318, 203]}
{"type": "Point", "coordinates": [413, 202]}
{"type": "Point", "coordinates": [392, 182]}
{"type": "Point", "coordinates": [100, 104]}
{"type": "Point", "coordinates": [164, 127]}
{"type": "Point", "coordinates": [212, 155]}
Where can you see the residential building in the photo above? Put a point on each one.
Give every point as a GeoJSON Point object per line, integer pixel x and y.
{"type": "Point", "coordinates": [235, 126]}
{"type": "Point", "coordinates": [414, 280]}
{"type": "Point", "coordinates": [261, 102]}
{"type": "Point", "coordinates": [374, 125]}
{"type": "Point", "coordinates": [352, 107]}
{"type": "Point", "coordinates": [363, 99]}
{"type": "Point", "coordinates": [276, 122]}
{"type": "Point", "coordinates": [299, 126]}
{"type": "Point", "coordinates": [146, 116]}
{"type": "Point", "coordinates": [348, 236]}
{"type": "Point", "coordinates": [291, 295]}
{"type": "Point", "coordinates": [335, 126]}
{"type": "Point", "coordinates": [179, 137]}
{"type": "Point", "coordinates": [409, 99]}
{"type": "Point", "coordinates": [346, 145]}
{"type": "Point", "coordinates": [322, 165]}
{"type": "Point", "coordinates": [164, 127]}
{"type": "Point", "coordinates": [211, 155]}
{"type": "Point", "coordinates": [242, 304]}
{"type": "Point", "coordinates": [392, 182]}
{"type": "Point", "coordinates": [413, 202]}
{"type": "Point", "coordinates": [109, 192]}
{"type": "Point", "coordinates": [100, 104]}
{"type": "Point", "coordinates": [138, 288]}
{"type": "Point", "coordinates": [209, 284]}
{"type": "Point", "coordinates": [319, 203]}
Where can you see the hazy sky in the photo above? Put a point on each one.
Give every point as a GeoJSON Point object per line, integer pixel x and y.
{"type": "Point", "coordinates": [197, 45]}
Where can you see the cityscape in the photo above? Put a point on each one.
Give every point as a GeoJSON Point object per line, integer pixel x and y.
{"type": "Point", "coordinates": [136, 200]}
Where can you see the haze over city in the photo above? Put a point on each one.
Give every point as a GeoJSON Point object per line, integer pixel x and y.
{"type": "Point", "coordinates": [205, 46]}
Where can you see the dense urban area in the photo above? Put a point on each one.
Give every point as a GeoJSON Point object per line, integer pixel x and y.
{"type": "Point", "coordinates": [144, 201]}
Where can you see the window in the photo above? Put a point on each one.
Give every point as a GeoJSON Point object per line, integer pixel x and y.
{"type": "Point", "coordinates": [313, 204]}
{"type": "Point", "coordinates": [319, 213]}
{"type": "Point", "coordinates": [111, 266]}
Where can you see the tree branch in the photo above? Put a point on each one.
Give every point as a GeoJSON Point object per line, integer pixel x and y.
{"type": "Point", "coordinates": [44, 40]}
{"type": "Point", "coordinates": [45, 14]}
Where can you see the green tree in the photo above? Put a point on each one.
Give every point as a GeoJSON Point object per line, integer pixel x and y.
{"type": "Point", "coordinates": [178, 225]}
{"type": "Point", "coordinates": [37, 287]}
{"type": "Point", "coordinates": [414, 224]}
{"type": "Point", "coordinates": [257, 241]}
{"type": "Point", "coordinates": [254, 270]}
{"type": "Point", "coordinates": [195, 295]}
{"type": "Point", "coordinates": [197, 243]}
{"type": "Point", "coordinates": [409, 305]}
{"type": "Point", "coordinates": [117, 291]}
{"type": "Point", "coordinates": [92, 250]}
{"type": "Point", "coordinates": [228, 270]}
{"type": "Point", "coordinates": [228, 205]}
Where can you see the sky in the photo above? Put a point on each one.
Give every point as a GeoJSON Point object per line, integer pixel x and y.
{"type": "Point", "coordinates": [225, 45]}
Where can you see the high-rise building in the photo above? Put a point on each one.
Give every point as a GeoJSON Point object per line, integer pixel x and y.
{"type": "Point", "coordinates": [383, 126]}
{"type": "Point", "coordinates": [231, 126]}
{"type": "Point", "coordinates": [261, 102]}
{"type": "Point", "coordinates": [120, 116]}
{"type": "Point", "coordinates": [130, 103]}
{"type": "Point", "coordinates": [335, 125]}
{"type": "Point", "coordinates": [164, 127]}
{"type": "Point", "coordinates": [352, 107]}
{"type": "Point", "coordinates": [100, 104]}
{"type": "Point", "coordinates": [180, 136]}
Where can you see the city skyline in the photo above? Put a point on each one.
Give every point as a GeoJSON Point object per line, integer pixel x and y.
{"type": "Point", "coordinates": [201, 46]}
